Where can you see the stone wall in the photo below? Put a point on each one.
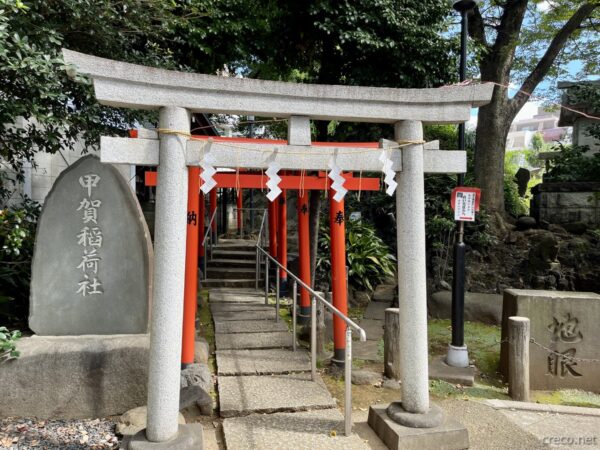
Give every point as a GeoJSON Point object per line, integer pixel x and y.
{"type": "Point", "coordinates": [75, 376]}
{"type": "Point", "coordinates": [566, 202]}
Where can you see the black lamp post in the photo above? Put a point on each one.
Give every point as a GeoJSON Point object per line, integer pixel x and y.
{"type": "Point", "coordinates": [457, 351]}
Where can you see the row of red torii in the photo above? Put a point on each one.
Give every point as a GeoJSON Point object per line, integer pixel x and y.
{"type": "Point", "coordinates": [176, 95]}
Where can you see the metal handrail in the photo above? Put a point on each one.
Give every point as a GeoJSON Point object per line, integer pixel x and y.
{"type": "Point", "coordinates": [337, 312]}
{"type": "Point", "coordinates": [313, 328]}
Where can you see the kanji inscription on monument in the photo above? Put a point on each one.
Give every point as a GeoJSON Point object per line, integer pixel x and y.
{"type": "Point", "coordinates": [91, 267]}
{"type": "Point", "coordinates": [565, 333]}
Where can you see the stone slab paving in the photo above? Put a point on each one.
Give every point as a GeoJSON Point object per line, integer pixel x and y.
{"type": "Point", "coordinates": [222, 316]}
{"type": "Point", "coordinates": [376, 310]}
{"type": "Point", "coordinates": [373, 328]}
{"type": "Point", "coordinates": [260, 362]}
{"type": "Point", "coordinates": [302, 430]}
{"type": "Point", "coordinates": [368, 350]}
{"type": "Point", "coordinates": [243, 395]}
{"type": "Point", "coordinates": [243, 326]}
{"type": "Point", "coordinates": [231, 341]}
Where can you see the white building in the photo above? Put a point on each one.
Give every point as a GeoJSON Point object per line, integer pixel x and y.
{"type": "Point", "coordinates": [546, 123]}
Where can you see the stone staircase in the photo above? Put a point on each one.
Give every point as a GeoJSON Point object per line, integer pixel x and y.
{"type": "Point", "coordinates": [232, 265]}
{"type": "Point", "coordinates": [266, 394]}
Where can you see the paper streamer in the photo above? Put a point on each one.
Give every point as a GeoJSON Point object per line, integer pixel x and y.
{"type": "Point", "coordinates": [273, 179]}
{"type": "Point", "coordinates": [390, 175]}
{"type": "Point", "coordinates": [335, 174]}
{"type": "Point", "coordinates": [208, 170]}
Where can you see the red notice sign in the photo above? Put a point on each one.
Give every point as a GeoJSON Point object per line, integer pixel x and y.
{"type": "Point", "coordinates": [465, 202]}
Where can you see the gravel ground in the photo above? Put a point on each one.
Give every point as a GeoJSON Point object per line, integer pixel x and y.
{"type": "Point", "coordinates": [26, 433]}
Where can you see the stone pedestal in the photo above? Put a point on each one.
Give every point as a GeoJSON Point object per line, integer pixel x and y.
{"type": "Point", "coordinates": [449, 435]}
{"type": "Point", "coordinates": [188, 437]}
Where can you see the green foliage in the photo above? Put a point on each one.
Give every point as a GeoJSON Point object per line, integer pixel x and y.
{"type": "Point", "coordinates": [8, 343]}
{"type": "Point", "coordinates": [17, 236]}
{"type": "Point", "coordinates": [367, 257]}
{"type": "Point", "coordinates": [514, 204]}
{"type": "Point", "coordinates": [51, 111]}
{"type": "Point", "coordinates": [537, 142]}
{"type": "Point", "coordinates": [573, 163]}
{"type": "Point", "coordinates": [446, 134]}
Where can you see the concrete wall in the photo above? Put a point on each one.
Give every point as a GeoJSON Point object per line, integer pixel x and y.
{"type": "Point", "coordinates": [581, 137]}
{"type": "Point", "coordinates": [45, 168]}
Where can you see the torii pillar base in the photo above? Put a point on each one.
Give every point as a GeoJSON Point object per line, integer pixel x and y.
{"type": "Point", "coordinates": [188, 437]}
{"type": "Point", "coordinates": [449, 434]}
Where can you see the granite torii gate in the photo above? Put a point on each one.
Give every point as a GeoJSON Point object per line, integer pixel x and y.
{"type": "Point", "coordinates": [176, 94]}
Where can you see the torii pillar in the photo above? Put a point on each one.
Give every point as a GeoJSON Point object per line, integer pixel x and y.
{"type": "Point", "coordinates": [213, 207]}
{"type": "Point", "coordinates": [169, 268]}
{"type": "Point", "coordinates": [339, 291]}
{"type": "Point", "coordinates": [282, 239]}
{"type": "Point", "coordinates": [190, 300]}
{"type": "Point", "coordinates": [304, 254]}
{"type": "Point", "coordinates": [240, 205]}
{"type": "Point", "coordinates": [201, 231]}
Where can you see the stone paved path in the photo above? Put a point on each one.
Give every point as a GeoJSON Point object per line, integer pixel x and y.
{"type": "Point", "coordinates": [372, 322]}
{"type": "Point", "coordinates": [265, 392]}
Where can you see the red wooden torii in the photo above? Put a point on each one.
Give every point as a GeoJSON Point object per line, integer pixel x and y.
{"type": "Point", "coordinates": [245, 179]}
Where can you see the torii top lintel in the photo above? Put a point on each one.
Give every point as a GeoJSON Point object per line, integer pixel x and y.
{"type": "Point", "coordinates": [134, 86]}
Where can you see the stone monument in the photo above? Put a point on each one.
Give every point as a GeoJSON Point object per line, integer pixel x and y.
{"type": "Point", "coordinates": [565, 335]}
{"type": "Point", "coordinates": [91, 271]}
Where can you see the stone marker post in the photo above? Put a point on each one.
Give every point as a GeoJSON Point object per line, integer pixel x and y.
{"type": "Point", "coordinates": [412, 284]}
{"type": "Point", "coordinates": [169, 270]}
{"type": "Point", "coordinates": [518, 358]}
{"type": "Point", "coordinates": [391, 349]}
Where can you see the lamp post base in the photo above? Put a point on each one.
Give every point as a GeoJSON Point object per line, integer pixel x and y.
{"type": "Point", "coordinates": [457, 356]}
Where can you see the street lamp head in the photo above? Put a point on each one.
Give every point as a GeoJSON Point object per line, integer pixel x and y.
{"type": "Point", "coordinates": [464, 5]}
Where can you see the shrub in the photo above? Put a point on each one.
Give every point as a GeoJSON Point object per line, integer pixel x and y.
{"type": "Point", "coordinates": [367, 256]}
{"type": "Point", "coordinates": [8, 346]}
{"type": "Point", "coordinates": [17, 236]}
{"type": "Point", "coordinates": [573, 164]}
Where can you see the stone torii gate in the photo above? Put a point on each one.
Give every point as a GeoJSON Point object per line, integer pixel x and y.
{"type": "Point", "coordinates": [175, 95]}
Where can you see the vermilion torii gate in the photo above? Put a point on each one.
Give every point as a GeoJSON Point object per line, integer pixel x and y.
{"type": "Point", "coordinates": [176, 94]}
{"type": "Point", "coordinates": [302, 184]}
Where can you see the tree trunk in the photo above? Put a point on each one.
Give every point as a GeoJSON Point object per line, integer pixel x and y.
{"type": "Point", "coordinates": [493, 123]}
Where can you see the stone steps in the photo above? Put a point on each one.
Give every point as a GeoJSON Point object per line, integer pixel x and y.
{"type": "Point", "coordinates": [223, 316]}
{"type": "Point", "coordinates": [221, 253]}
{"type": "Point", "coordinates": [248, 263]}
{"type": "Point", "coordinates": [229, 273]}
{"type": "Point", "coordinates": [229, 282]}
{"type": "Point", "coordinates": [271, 339]}
{"type": "Point", "coordinates": [245, 326]}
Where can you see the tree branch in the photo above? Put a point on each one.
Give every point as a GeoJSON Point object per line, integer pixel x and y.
{"type": "Point", "coordinates": [556, 46]}
{"type": "Point", "coordinates": [510, 24]}
{"type": "Point", "coordinates": [477, 27]}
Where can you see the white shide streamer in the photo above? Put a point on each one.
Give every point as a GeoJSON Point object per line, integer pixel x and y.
{"type": "Point", "coordinates": [274, 179]}
{"type": "Point", "coordinates": [390, 175]}
{"type": "Point", "coordinates": [208, 170]}
{"type": "Point", "coordinates": [335, 174]}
